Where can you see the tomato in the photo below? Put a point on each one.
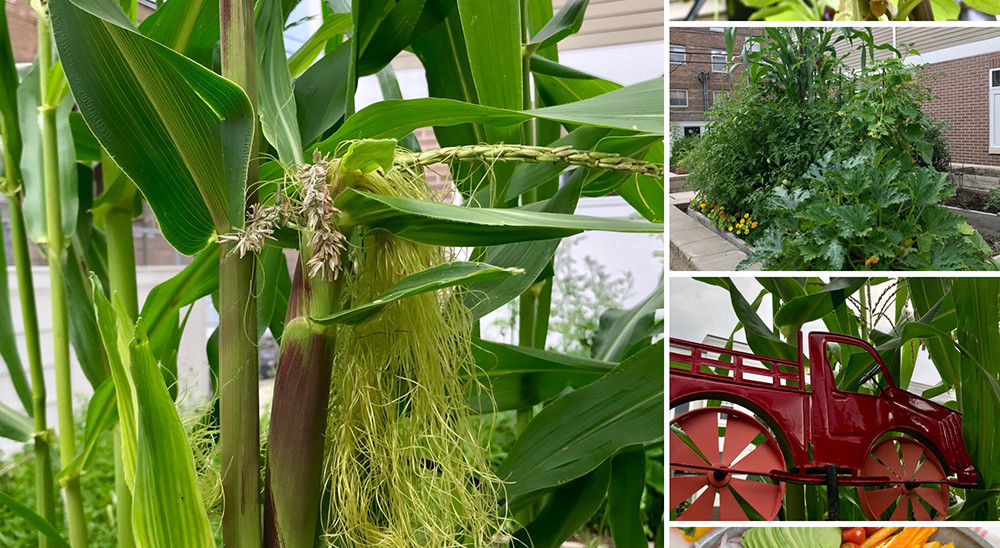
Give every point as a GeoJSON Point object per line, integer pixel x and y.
{"type": "Point", "coordinates": [855, 535]}
{"type": "Point", "coordinates": [869, 531]}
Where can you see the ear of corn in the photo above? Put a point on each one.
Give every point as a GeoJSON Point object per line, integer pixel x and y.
{"type": "Point", "coordinates": [298, 420]}
{"type": "Point", "coordinates": [167, 506]}
{"type": "Point", "coordinates": [156, 456]}
{"type": "Point", "coordinates": [116, 347]}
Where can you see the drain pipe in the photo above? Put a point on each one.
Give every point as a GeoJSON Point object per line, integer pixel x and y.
{"type": "Point", "coordinates": [703, 78]}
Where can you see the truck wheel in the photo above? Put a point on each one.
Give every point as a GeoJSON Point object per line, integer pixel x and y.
{"type": "Point", "coordinates": [919, 491]}
{"type": "Point", "coordinates": [720, 461]}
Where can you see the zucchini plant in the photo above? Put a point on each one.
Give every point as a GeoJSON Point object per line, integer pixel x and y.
{"type": "Point", "coordinates": [374, 435]}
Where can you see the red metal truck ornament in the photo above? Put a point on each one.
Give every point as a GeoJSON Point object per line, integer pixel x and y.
{"type": "Point", "coordinates": [900, 451]}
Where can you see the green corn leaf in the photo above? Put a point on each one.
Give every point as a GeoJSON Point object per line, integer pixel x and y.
{"type": "Point", "coordinates": [806, 308]}
{"type": "Point", "coordinates": [333, 24]}
{"type": "Point", "coordinates": [560, 91]}
{"type": "Point", "coordinates": [492, 33]}
{"type": "Point", "coordinates": [166, 507]}
{"type": "Point", "coordinates": [278, 120]}
{"type": "Point", "coordinates": [517, 377]}
{"type": "Point", "coordinates": [628, 480]}
{"type": "Point", "coordinates": [646, 194]}
{"type": "Point", "coordinates": [638, 107]}
{"type": "Point", "coordinates": [543, 66]}
{"type": "Point", "coordinates": [102, 414]}
{"type": "Point", "coordinates": [619, 330]}
{"type": "Point", "coordinates": [11, 135]}
{"type": "Point", "coordinates": [602, 182]}
{"type": "Point", "coordinates": [139, 96]}
{"type": "Point", "coordinates": [443, 224]}
{"type": "Point", "coordinates": [533, 257]}
{"type": "Point", "coordinates": [8, 340]}
{"type": "Point", "coordinates": [925, 293]}
{"type": "Point", "coordinates": [389, 86]}
{"type": "Point", "coordinates": [442, 53]}
{"type": "Point", "coordinates": [88, 150]}
{"type": "Point", "coordinates": [641, 104]}
{"type": "Point", "coordinates": [39, 523]}
{"type": "Point", "coordinates": [162, 306]}
{"type": "Point", "coordinates": [578, 432]}
{"type": "Point", "coordinates": [321, 93]}
{"type": "Point", "coordinates": [367, 155]}
{"type": "Point", "coordinates": [565, 23]}
{"type": "Point", "coordinates": [386, 27]}
{"type": "Point", "coordinates": [274, 286]}
{"type": "Point", "coordinates": [83, 328]}
{"type": "Point", "coordinates": [569, 508]}
{"type": "Point", "coordinates": [114, 335]}
{"type": "Point", "coordinates": [189, 27]}
{"type": "Point", "coordinates": [979, 397]}
{"type": "Point", "coordinates": [432, 279]}
{"type": "Point", "coordinates": [15, 425]}
{"type": "Point", "coordinates": [760, 337]}
{"type": "Point", "coordinates": [29, 100]}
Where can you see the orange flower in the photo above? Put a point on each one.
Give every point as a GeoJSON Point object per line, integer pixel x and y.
{"type": "Point", "coordinates": [871, 260]}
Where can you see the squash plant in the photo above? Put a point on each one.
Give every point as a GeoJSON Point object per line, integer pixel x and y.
{"type": "Point", "coordinates": [242, 153]}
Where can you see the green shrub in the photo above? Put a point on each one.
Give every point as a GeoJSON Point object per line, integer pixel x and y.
{"type": "Point", "coordinates": [679, 150]}
{"type": "Point", "coordinates": [799, 106]}
{"type": "Point", "coordinates": [860, 213]}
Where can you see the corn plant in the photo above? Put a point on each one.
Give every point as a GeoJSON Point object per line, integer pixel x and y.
{"type": "Point", "coordinates": [374, 436]}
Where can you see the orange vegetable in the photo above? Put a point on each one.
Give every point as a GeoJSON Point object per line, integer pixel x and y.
{"type": "Point", "coordinates": [878, 537]}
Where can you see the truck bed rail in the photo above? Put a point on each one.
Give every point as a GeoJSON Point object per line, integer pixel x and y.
{"type": "Point", "coordinates": [761, 371]}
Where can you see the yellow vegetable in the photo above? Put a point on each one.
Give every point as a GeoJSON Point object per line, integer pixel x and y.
{"type": "Point", "coordinates": [692, 534]}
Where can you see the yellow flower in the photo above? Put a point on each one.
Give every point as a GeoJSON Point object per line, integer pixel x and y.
{"type": "Point", "coordinates": [730, 229]}
{"type": "Point", "coordinates": [746, 215]}
{"type": "Point", "coordinates": [840, 113]}
{"type": "Point", "coordinates": [753, 224]}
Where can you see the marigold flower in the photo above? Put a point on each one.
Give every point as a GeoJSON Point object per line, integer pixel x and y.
{"type": "Point", "coordinates": [871, 260]}
{"type": "Point", "coordinates": [730, 229]}
{"type": "Point", "coordinates": [753, 224]}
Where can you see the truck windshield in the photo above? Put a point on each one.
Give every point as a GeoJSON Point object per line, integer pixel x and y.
{"type": "Point", "coordinates": [850, 364]}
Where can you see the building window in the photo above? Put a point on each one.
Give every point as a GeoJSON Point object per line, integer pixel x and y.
{"type": "Point", "coordinates": [718, 61]}
{"type": "Point", "coordinates": [716, 96]}
{"type": "Point", "coordinates": [692, 130]}
{"type": "Point", "coordinates": [678, 55]}
{"type": "Point", "coordinates": [994, 99]}
{"type": "Point", "coordinates": [678, 98]}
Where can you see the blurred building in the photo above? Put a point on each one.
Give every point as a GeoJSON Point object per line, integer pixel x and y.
{"type": "Point", "coordinates": [700, 74]}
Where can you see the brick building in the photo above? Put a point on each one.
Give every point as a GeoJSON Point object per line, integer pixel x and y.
{"type": "Point", "coordinates": [967, 98]}
{"type": "Point", "coordinates": [699, 75]}
{"type": "Point", "coordinates": [965, 65]}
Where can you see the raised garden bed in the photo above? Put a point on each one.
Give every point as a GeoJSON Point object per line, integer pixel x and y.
{"type": "Point", "coordinates": [982, 211]}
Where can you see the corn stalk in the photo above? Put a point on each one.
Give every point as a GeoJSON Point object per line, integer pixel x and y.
{"type": "Point", "coordinates": [55, 246]}
{"type": "Point", "coordinates": [238, 398]}
{"type": "Point", "coordinates": [44, 496]}
{"type": "Point", "coordinates": [116, 217]}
